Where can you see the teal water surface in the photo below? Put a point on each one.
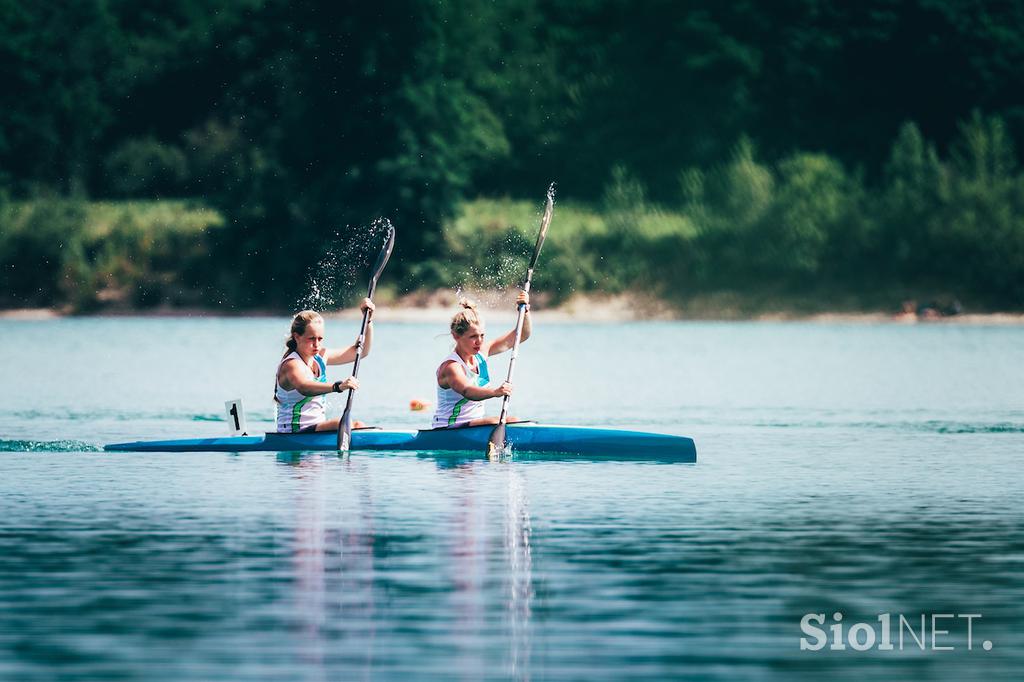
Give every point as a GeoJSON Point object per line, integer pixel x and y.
{"type": "Point", "coordinates": [858, 469]}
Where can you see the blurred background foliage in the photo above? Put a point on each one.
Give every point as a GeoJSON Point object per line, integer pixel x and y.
{"type": "Point", "coordinates": [207, 153]}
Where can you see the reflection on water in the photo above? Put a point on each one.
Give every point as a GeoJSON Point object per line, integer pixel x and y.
{"type": "Point", "coordinates": [520, 573]}
{"type": "Point", "coordinates": [333, 565]}
{"type": "Point", "coordinates": [315, 567]}
{"type": "Point", "coordinates": [467, 571]}
{"type": "Point", "coordinates": [485, 548]}
{"type": "Point", "coordinates": [310, 560]}
{"type": "Point", "coordinates": [862, 470]}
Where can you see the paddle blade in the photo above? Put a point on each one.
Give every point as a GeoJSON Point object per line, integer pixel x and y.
{"type": "Point", "coordinates": [345, 433]}
{"type": "Point", "coordinates": [385, 254]}
{"type": "Point", "coordinates": [545, 222]}
{"type": "Point", "coordinates": [496, 445]}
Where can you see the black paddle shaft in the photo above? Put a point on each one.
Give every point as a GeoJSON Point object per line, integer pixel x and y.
{"type": "Point", "coordinates": [549, 207]}
{"type": "Point", "coordinates": [345, 425]}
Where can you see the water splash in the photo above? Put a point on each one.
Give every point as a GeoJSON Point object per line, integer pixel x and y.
{"type": "Point", "coordinates": [48, 446]}
{"type": "Point", "coordinates": [332, 281]}
{"type": "Point", "coordinates": [500, 262]}
{"type": "Point", "coordinates": [503, 456]}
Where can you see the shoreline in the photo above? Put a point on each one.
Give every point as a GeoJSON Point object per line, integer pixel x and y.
{"type": "Point", "coordinates": [434, 308]}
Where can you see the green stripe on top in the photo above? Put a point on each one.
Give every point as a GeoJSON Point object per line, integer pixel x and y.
{"type": "Point", "coordinates": [297, 409]}
{"type": "Point", "coordinates": [297, 412]}
{"type": "Point", "coordinates": [482, 379]}
{"type": "Point", "coordinates": [456, 410]}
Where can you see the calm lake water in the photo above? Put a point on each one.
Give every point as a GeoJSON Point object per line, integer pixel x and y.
{"type": "Point", "coordinates": [859, 469]}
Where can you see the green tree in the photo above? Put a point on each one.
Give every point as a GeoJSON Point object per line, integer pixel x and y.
{"type": "Point", "coordinates": [815, 222]}
{"type": "Point", "coordinates": [338, 114]}
{"type": "Point", "coordinates": [915, 191]}
{"type": "Point", "coordinates": [58, 63]}
{"type": "Point", "coordinates": [737, 196]}
{"type": "Point", "coordinates": [980, 239]}
{"type": "Point", "coordinates": [146, 167]}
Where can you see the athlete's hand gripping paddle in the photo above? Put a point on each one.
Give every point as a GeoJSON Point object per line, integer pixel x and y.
{"type": "Point", "coordinates": [497, 442]}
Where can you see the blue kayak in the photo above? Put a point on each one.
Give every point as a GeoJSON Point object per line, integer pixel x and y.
{"type": "Point", "coordinates": [526, 437]}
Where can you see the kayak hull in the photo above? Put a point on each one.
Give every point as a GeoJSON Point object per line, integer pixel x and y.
{"type": "Point", "coordinates": [524, 438]}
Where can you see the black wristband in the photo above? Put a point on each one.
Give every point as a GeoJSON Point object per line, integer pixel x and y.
{"type": "Point", "coordinates": [337, 387]}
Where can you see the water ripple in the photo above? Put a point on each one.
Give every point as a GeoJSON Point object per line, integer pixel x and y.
{"type": "Point", "coordinates": [48, 446]}
{"type": "Point", "coordinates": [930, 426]}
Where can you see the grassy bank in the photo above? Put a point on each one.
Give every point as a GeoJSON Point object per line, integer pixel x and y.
{"type": "Point", "coordinates": [697, 261]}
{"type": "Point", "coordinates": [86, 256]}
{"type": "Point", "coordinates": [664, 256]}
{"type": "Point", "coordinates": [803, 233]}
{"type": "Point", "coordinates": [490, 242]}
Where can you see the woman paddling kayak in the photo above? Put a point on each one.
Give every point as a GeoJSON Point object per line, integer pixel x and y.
{"type": "Point", "coordinates": [463, 376]}
{"type": "Point", "coordinates": [302, 373]}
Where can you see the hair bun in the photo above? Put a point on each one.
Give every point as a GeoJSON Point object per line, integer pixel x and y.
{"type": "Point", "coordinates": [465, 317]}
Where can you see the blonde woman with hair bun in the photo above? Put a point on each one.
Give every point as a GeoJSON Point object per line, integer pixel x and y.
{"type": "Point", "coordinates": [463, 378]}
{"type": "Point", "coordinates": [301, 382]}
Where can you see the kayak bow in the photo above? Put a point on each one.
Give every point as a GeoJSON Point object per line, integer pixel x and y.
{"type": "Point", "coordinates": [525, 437]}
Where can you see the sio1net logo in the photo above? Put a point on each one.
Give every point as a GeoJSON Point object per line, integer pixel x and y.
{"type": "Point", "coordinates": [933, 632]}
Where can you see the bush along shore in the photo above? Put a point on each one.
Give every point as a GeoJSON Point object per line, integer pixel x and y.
{"type": "Point", "coordinates": [84, 257]}
{"type": "Point", "coordinates": [745, 238]}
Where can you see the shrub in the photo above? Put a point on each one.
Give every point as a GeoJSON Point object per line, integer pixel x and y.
{"type": "Point", "coordinates": [40, 251]}
{"type": "Point", "coordinates": [64, 252]}
{"type": "Point", "coordinates": [146, 167]}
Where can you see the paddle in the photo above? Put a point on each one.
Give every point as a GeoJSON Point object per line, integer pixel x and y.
{"type": "Point", "coordinates": [345, 425]}
{"type": "Point", "coordinates": [497, 441]}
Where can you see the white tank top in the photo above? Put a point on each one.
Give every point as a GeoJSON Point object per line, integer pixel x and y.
{"type": "Point", "coordinates": [294, 410]}
{"type": "Point", "coordinates": [454, 409]}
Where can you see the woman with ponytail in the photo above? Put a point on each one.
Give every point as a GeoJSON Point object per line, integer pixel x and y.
{"type": "Point", "coordinates": [463, 378]}
{"type": "Point", "coordinates": [302, 373]}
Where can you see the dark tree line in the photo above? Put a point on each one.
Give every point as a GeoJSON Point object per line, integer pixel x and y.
{"type": "Point", "coordinates": [297, 119]}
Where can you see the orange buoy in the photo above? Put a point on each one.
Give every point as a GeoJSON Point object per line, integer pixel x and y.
{"type": "Point", "coordinates": [417, 405]}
